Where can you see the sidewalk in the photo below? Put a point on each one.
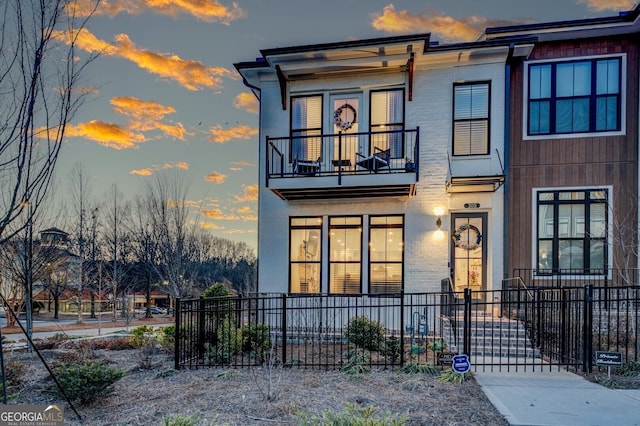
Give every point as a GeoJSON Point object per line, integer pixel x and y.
{"type": "Point", "coordinates": [68, 323]}
{"type": "Point", "coordinates": [558, 398]}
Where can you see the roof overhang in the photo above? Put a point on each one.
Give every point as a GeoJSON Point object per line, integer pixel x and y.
{"type": "Point", "coordinates": [467, 184]}
{"type": "Point", "coordinates": [345, 192]}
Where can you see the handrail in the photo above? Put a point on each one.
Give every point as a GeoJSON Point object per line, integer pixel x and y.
{"type": "Point", "coordinates": [520, 284]}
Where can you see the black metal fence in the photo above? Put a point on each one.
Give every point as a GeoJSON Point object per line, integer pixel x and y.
{"type": "Point", "coordinates": [515, 327]}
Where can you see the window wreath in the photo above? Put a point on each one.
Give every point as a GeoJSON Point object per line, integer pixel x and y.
{"type": "Point", "coordinates": [341, 117]}
{"type": "Point", "coordinates": [467, 237]}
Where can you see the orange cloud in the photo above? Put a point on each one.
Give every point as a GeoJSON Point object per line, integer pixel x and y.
{"type": "Point", "coordinates": [210, 225]}
{"type": "Point", "coordinates": [244, 210]}
{"type": "Point", "coordinates": [218, 214]}
{"type": "Point", "coordinates": [157, 167]}
{"type": "Point", "coordinates": [106, 134]}
{"type": "Point", "coordinates": [147, 115]}
{"type": "Point", "coordinates": [190, 74]}
{"type": "Point", "coordinates": [448, 28]}
{"type": "Point", "coordinates": [215, 177]}
{"type": "Point", "coordinates": [250, 193]}
{"type": "Point", "coordinates": [221, 135]}
{"type": "Point", "coordinates": [203, 10]}
{"type": "Point", "coordinates": [602, 5]}
{"type": "Point", "coordinates": [247, 102]}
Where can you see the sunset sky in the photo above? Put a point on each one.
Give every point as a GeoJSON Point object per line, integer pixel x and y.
{"type": "Point", "coordinates": [165, 95]}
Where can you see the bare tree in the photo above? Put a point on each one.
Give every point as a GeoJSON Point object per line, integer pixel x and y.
{"type": "Point", "coordinates": [40, 73]}
{"type": "Point", "coordinates": [117, 243]}
{"type": "Point", "coordinates": [168, 209]}
{"type": "Point", "coordinates": [81, 205]}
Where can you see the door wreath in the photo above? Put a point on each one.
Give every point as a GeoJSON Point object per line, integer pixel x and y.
{"type": "Point", "coordinates": [341, 117]}
{"type": "Point", "coordinates": [467, 237]}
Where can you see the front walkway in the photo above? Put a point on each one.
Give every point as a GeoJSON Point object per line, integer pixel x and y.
{"type": "Point", "coordinates": [559, 398]}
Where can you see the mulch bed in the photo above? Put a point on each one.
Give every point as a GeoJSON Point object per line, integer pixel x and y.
{"type": "Point", "coordinates": [255, 396]}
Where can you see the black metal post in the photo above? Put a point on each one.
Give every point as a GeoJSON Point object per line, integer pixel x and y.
{"type": "Point", "coordinates": [467, 323]}
{"type": "Point", "coordinates": [402, 328]}
{"type": "Point", "coordinates": [587, 333]}
{"type": "Point", "coordinates": [284, 328]}
{"type": "Point", "coordinates": [177, 337]}
{"type": "Point", "coordinates": [201, 320]}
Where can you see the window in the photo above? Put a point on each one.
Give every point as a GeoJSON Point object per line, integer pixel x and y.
{"type": "Point", "coordinates": [574, 97]}
{"type": "Point", "coordinates": [345, 248]}
{"type": "Point", "coordinates": [386, 253]}
{"type": "Point", "coordinates": [305, 252]}
{"type": "Point", "coordinates": [471, 118]}
{"type": "Point", "coordinates": [306, 128]}
{"type": "Point", "coordinates": [572, 231]}
{"type": "Point", "coordinates": [387, 121]}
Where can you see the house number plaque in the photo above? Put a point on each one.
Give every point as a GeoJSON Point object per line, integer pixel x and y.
{"type": "Point", "coordinates": [471, 205]}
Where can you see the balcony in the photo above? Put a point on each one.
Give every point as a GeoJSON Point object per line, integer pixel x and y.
{"type": "Point", "coordinates": [343, 165]}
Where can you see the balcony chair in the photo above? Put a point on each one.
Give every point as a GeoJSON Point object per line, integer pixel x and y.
{"type": "Point", "coordinates": [379, 159]}
{"type": "Point", "coordinates": [306, 167]}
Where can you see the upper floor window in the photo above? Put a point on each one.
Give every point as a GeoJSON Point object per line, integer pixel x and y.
{"type": "Point", "coordinates": [572, 231]}
{"type": "Point", "coordinates": [306, 128]}
{"type": "Point", "coordinates": [387, 121]}
{"type": "Point", "coordinates": [471, 118]}
{"type": "Point", "coordinates": [574, 97]}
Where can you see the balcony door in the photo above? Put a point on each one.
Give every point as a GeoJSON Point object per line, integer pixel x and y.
{"type": "Point", "coordinates": [346, 118]}
{"type": "Point", "coordinates": [469, 251]}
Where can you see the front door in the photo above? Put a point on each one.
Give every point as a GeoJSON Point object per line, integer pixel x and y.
{"type": "Point", "coordinates": [469, 252]}
{"type": "Point", "coordinates": [346, 120]}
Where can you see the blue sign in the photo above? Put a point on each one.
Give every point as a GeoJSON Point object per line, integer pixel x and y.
{"type": "Point", "coordinates": [461, 364]}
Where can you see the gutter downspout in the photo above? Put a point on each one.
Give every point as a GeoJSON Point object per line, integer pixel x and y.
{"type": "Point", "coordinates": [507, 161]}
{"type": "Point", "coordinates": [257, 92]}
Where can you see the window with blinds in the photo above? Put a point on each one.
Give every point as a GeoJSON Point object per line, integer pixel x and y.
{"type": "Point", "coordinates": [471, 118]}
{"type": "Point", "coordinates": [306, 128]}
{"type": "Point", "coordinates": [345, 255]}
{"type": "Point", "coordinates": [386, 254]}
{"type": "Point", "coordinates": [305, 254]}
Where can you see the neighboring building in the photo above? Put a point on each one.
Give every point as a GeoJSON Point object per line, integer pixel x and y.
{"type": "Point", "coordinates": [573, 166]}
{"type": "Point", "coordinates": [384, 162]}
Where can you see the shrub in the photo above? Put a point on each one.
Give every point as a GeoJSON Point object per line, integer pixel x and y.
{"type": "Point", "coordinates": [119, 344]}
{"type": "Point", "coordinates": [216, 290]}
{"type": "Point", "coordinates": [353, 415]}
{"type": "Point", "coordinates": [437, 345]}
{"type": "Point", "coordinates": [256, 339]}
{"type": "Point", "coordinates": [365, 334]}
{"type": "Point", "coordinates": [420, 369]}
{"type": "Point", "coordinates": [392, 350]}
{"type": "Point", "coordinates": [15, 372]}
{"type": "Point", "coordinates": [631, 368]}
{"type": "Point", "coordinates": [180, 420]}
{"type": "Point", "coordinates": [454, 377]}
{"type": "Point", "coordinates": [85, 380]}
{"type": "Point", "coordinates": [168, 336]}
{"type": "Point", "coordinates": [142, 335]}
{"type": "Point", "coordinates": [228, 344]}
{"type": "Point", "coordinates": [358, 362]}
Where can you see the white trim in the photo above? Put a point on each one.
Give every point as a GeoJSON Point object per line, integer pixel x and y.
{"type": "Point", "coordinates": [623, 99]}
{"type": "Point", "coordinates": [534, 221]}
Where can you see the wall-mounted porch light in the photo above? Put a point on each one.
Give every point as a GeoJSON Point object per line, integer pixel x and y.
{"type": "Point", "coordinates": [439, 222]}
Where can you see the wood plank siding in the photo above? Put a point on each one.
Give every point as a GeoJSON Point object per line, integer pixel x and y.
{"type": "Point", "coordinates": [570, 162]}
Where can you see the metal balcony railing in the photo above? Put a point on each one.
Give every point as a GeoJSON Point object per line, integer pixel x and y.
{"type": "Point", "coordinates": [309, 155]}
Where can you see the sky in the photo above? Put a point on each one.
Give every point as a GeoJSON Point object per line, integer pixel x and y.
{"type": "Point", "coordinates": [165, 97]}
